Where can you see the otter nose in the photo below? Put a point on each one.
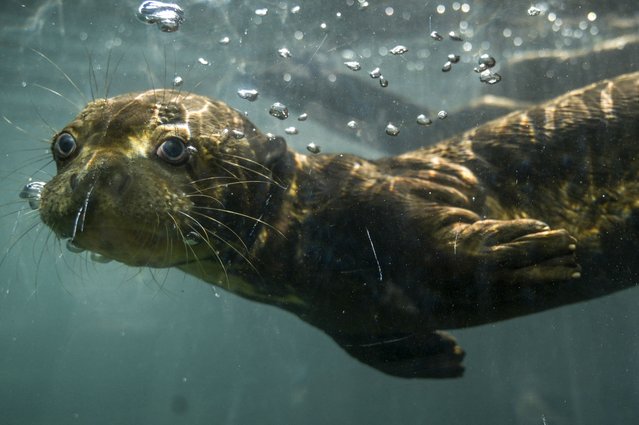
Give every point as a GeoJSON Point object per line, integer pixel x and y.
{"type": "Point", "coordinates": [112, 178]}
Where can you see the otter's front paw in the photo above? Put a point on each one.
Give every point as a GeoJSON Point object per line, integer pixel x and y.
{"type": "Point", "coordinates": [520, 251]}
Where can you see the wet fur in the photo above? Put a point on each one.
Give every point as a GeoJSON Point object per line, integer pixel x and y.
{"type": "Point", "coordinates": [526, 213]}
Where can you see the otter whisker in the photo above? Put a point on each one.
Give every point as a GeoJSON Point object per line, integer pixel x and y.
{"type": "Point", "coordinates": [206, 240]}
{"type": "Point", "coordinates": [249, 160]}
{"type": "Point", "coordinates": [17, 240]}
{"type": "Point", "coordinates": [55, 65]}
{"type": "Point", "coordinates": [241, 182]}
{"type": "Point", "coordinates": [85, 206]}
{"type": "Point", "coordinates": [204, 195]}
{"type": "Point", "coordinates": [258, 220]}
{"type": "Point", "coordinates": [210, 178]}
{"type": "Point", "coordinates": [60, 95]}
{"type": "Point", "coordinates": [216, 221]}
{"type": "Point", "coordinates": [269, 178]}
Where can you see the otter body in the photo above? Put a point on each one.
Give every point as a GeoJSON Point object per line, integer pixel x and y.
{"type": "Point", "coordinates": [525, 213]}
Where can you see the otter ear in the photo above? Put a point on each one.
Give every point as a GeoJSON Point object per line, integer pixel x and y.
{"type": "Point", "coordinates": [273, 149]}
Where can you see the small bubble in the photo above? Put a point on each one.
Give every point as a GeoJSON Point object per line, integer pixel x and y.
{"type": "Point", "coordinates": [32, 192]}
{"type": "Point", "coordinates": [177, 81]}
{"type": "Point", "coordinates": [447, 66]}
{"type": "Point", "coordinates": [313, 148]}
{"type": "Point", "coordinates": [99, 258]}
{"type": "Point", "coordinates": [452, 58]}
{"type": "Point", "coordinates": [441, 9]}
{"type": "Point", "coordinates": [237, 134]}
{"type": "Point", "coordinates": [248, 94]}
{"type": "Point", "coordinates": [592, 16]}
{"type": "Point", "coordinates": [442, 115]}
{"type": "Point", "coordinates": [534, 11]}
{"type": "Point", "coordinates": [278, 110]}
{"type": "Point", "coordinates": [423, 120]}
{"type": "Point", "coordinates": [398, 50]}
{"type": "Point", "coordinates": [224, 40]}
{"type": "Point", "coordinates": [323, 25]}
{"type": "Point", "coordinates": [290, 130]}
{"type": "Point", "coordinates": [352, 124]}
{"type": "Point", "coordinates": [436, 36]}
{"type": "Point", "coordinates": [23, 84]}
{"type": "Point", "coordinates": [284, 52]}
{"type": "Point", "coordinates": [375, 73]}
{"type": "Point", "coordinates": [489, 77]}
{"type": "Point", "coordinates": [389, 11]}
{"type": "Point", "coordinates": [353, 65]}
{"type": "Point", "coordinates": [465, 8]}
{"type": "Point", "coordinates": [192, 238]}
{"type": "Point", "coordinates": [261, 12]}
{"type": "Point", "coordinates": [298, 35]}
{"type": "Point", "coordinates": [72, 247]}
{"type": "Point", "coordinates": [203, 61]}
{"type": "Point", "coordinates": [167, 16]}
{"type": "Point", "coordinates": [392, 129]}
{"type": "Point", "coordinates": [454, 36]}
{"type": "Point", "coordinates": [487, 60]}
{"type": "Point", "coordinates": [383, 81]}
{"type": "Point", "coordinates": [303, 117]}
{"type": "Point", "coordinates": [295, 9]}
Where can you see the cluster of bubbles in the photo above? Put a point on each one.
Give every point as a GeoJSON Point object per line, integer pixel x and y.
{"type": "Point", "coordinates": [167, 16]}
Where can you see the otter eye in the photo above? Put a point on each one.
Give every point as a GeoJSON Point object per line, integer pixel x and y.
{"type": "Point", "coordinates": [64, 146]}
{"type": "Point", "coordinates": [173, 150]}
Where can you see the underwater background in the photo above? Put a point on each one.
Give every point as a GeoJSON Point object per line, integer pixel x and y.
{"type": "Point", "coordinates": [91, 343]}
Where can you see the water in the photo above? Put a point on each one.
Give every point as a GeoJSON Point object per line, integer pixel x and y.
{"type": "Point", "coordinates": [91, 343]}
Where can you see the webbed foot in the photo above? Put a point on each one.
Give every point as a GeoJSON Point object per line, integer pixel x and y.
{"type": "Point", "coordinates": [522, 251]}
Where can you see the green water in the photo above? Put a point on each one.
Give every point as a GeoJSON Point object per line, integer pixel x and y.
{"type": "Point", "coordinates": [89, 343]}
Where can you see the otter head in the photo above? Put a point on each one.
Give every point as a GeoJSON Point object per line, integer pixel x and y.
{"type": "Point", "coordinates": [160, 179]}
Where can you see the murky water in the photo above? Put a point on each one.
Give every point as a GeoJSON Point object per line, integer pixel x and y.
{"type": "Point", "coordinates": [85, 342]}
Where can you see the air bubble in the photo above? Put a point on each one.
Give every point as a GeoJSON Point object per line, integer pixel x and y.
{"type": "Point", "coordinates": [383, 81]}
{"type": "Point", "coordinates": [391, 129]}
{"type": "Point", "coordinates": [291, 130]}
{"type": "Point", "coordinates": [436, 36]}
{"type": "Point", "coordinates": [203, 61]}
{"type": "Point", "coordinates": [489, 77]}
{"type": "Point", "coordinates": [237, 134]}
{"type": "Point", "coordinates": [167, 16]}
{"type": "Point", "coordinates": [72, 247]}
{"type": "Point", "coordinates": [487, 60]}
{"type": "Point", "coordinates": [442, 115]}
{"type": "Point", "coordinates": [352, 124]}
{"type": "Point", "coordinates": [454, 36]}
{"type": "Point", "coordinates": [279, 111]}
{"type": "Point", "coordinates": [447, 66]}
{"type": "Point", "coordinates": [353, 65]}
{"type": "Point", "coordinates": [224, 40]}
{"type": "Point", "coordinates": [313, 148]}
{"type": "Point", "coordinates": [398, 50]}
{"type": "Point", "coordinates": [177, 81]}
{"type": "Point", "coordinates": [248, 94]}
{"type": "Point", "coordinates": [452, 58]}
{"type": "Point", "coordinates": [192, 238]}
{"type": "Point", "coordinates": [534, 11]}
{"type": "Point", "coordinates": [303, 117]}
{"type": "Point", "coordinates": [32, 192]}
{"type": "Point", "coordinates": [375, 73]}
{"type": "Point", "coordinates": [99, 258]}
{"type": "Point", "coordinates": [423, 120]}
{"type": "Point", "coordinates": [261, 12]}
{"type": "Point", "coordinates": [284, 52]}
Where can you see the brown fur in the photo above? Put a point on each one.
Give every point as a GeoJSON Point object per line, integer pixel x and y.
{"type": "Point", "coordinates": [529, 212]}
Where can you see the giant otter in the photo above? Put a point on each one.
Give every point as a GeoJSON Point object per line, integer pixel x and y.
{"type": "Point", "coordinates": [525, 213]}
